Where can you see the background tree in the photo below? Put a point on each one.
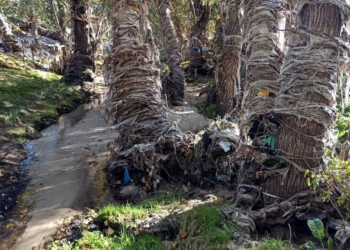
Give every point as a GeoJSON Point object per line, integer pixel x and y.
{"type": "Point", "coordinates": [228, 68]}
{"type": "Point", "coordinates": [201, 13]}
{"type": "Point", "coordinates": [81, 64]}
{"type": "Point", "coordinates": [306, 104]}
{"type": "Point", "coordinates": [175, 80]}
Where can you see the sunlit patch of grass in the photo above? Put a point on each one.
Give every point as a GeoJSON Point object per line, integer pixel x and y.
{"type": "Point", "coordinates": [129, 215]}
{"type": "Point", "coordinates": [124, 241]}
{"type": "Point", "coordinates": [202, 226]}
{"type": "Point", "coordinates": [273, 244]}
{"type": "Point", "coordinates": [27, 96]}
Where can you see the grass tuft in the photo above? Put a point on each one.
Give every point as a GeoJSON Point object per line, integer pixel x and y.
{"type": "Point", "coordinates": [203, 226]}
{"type": "Point", "coordinates": [273, 244]}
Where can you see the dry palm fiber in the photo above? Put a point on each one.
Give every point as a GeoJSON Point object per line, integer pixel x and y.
{"type": "Point", "coordinates": [306, 103]}
{"type": "Point", "coordinates": [263, 59]}
{"type": "Point", "coordinates": [175, 82]}
{"type": "Point", "coordinates": [81, 64]}
{"type": "Point", "coordinates": [6, 34]}
{"type": "Point", "coordinates": [134, 107]}
{"type": "Point", "coordinates": [228, 68]}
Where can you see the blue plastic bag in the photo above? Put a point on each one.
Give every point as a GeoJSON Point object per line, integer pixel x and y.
{"type": "Point", "coordinates": [126, 176]}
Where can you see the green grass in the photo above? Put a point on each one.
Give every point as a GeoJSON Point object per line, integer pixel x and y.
{"type": "Point", "coordinates": [273, 244]}
{"type": "Point", "coordinates": [124, 241]}
{"type": "Point", "coordinates": [128, 214]}
{"type": "Point", "coordinates": [27, 96]}
{"type": "Point", "coordinates": [203, 226]}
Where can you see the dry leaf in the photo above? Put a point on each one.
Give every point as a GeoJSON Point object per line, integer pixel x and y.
{"type": "Point", "coordinates": [183, 235]}
{"type": "Point", "coordinates": [110, 231]}
{"type": "Point", "coordinates": [31, 192]}
{"type": "Point", "coordinates": [10, 225]}
{"type": "Point", "coordinates": [174, 244]}
{"type": "Point", "coordinates": [137, 232]}
{"type": "Point", "coordinates": [106, 223]}
{"type": "Point", "coordinates": [153, 241]}
{"type": "Point", "coordinates": [24, 211]}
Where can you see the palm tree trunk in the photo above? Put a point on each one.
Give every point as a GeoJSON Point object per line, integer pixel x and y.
{"type": "Point", "coordinates": [198, 36]}
{"type": "Point", "coordinates": [6, 35]}
{"type": "Point", "coordinates": [175, 83]}
{"type": "Point", "coordinates": [306, 104]}
{"type": "Point", "coordinates": [33, 19]}
{"type": "Point", "coordinates": [263, 57]}
{"type": "Point", "coordinates": [228, 69]}
{"type": "Point", "coordinates": [57, 21]}
{"type": "Point", "coordinates": [81, 64]}
{"type": "Point", "coordinates": [134, 107]}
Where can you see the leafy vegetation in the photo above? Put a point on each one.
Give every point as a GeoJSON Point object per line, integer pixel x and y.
{"type": "Point", "coordinates": [273, 244]}
{"type": "Point", "coordinates": [27, 96]}
{"type": "Point", "coordinates": [317, 230]}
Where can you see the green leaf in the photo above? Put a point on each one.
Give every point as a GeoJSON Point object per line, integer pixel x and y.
{"type": "Point", "coordinates": [330, 243]}
{"type": "Point", "coordinates": [316, 227]}
{"type": "Point", "coordinates": [270, 141]}
{"type": "Point", "coordinates": [310, 246]}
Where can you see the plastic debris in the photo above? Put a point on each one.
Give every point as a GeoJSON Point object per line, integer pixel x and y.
{"type": "Point", "coordinates": [127, 177]}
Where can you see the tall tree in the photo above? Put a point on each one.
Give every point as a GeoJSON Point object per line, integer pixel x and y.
{"type": "Point", "coordinates": [201, 12]}
{"type": "Point", "coordinates": [306, 104]}
{"type": "Point", "coordinates": [33, 19]}
{"type": "Point", "coordinates": [81, 64]}
{"type": "Point", "coordinates": [229, 66]}
{"type": "Point", "coordinates": [175, 82]}
{"type": "Point", "coordinates": [134, 104]}
{"type": "Point", "coordinates": [263, 61]}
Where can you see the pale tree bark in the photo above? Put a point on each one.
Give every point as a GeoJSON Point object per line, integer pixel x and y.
{"type": "Point", "coordinates": [57, 21]}
{"type": "Point", "coordinates": [33, 19]}
{"type": "Point", "coordinates": [306, 104]}
{"type": "Point", "coordinates": [7, 36]}
{"type": "Point", "coordinates": [81, 64]}
{"type": "Point", "coordinates": [134, 106]}
{"type": "Point", "coordinates": [175, 81]}
{"type": "Point", "coordinates": [263, 59]}
{"type": "Point", "coordinates": [229, 66]}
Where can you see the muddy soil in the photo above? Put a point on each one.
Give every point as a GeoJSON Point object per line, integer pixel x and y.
{"type": "Point", "coordinates": [66, 177]}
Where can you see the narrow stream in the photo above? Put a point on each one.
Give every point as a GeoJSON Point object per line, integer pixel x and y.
{"type": "Point", "coordinates": [65, 171]}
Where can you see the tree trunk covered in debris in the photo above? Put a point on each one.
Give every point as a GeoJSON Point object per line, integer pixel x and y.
{"type": "Point", "coordinates": [6, 35]}
{"type": "Point", "coordinates": [263, 57]}
{"type": "Point", "coordinates": [134, 106]}
{"type": "Point", "coordinates": [175, 81]}
{"type": "Point", "coordinates": [33, 19]}
{"type": "Point", "coordinates": [81, 64]}
{"type": "Point", "coordinates": [57, 21]}
{"type": "Point", "coordinates": [228, 69]}
{"type": "Point", "coordinates": [306, 104]}
{"type": "Point", "coordinates": [201, 13]}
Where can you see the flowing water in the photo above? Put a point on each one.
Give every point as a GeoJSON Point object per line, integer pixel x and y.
{"type": "Point", "coordinates": [66, 175]}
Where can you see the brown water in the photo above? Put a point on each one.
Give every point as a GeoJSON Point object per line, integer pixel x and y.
{"type": "Point", "coordinates": [66, 176]}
